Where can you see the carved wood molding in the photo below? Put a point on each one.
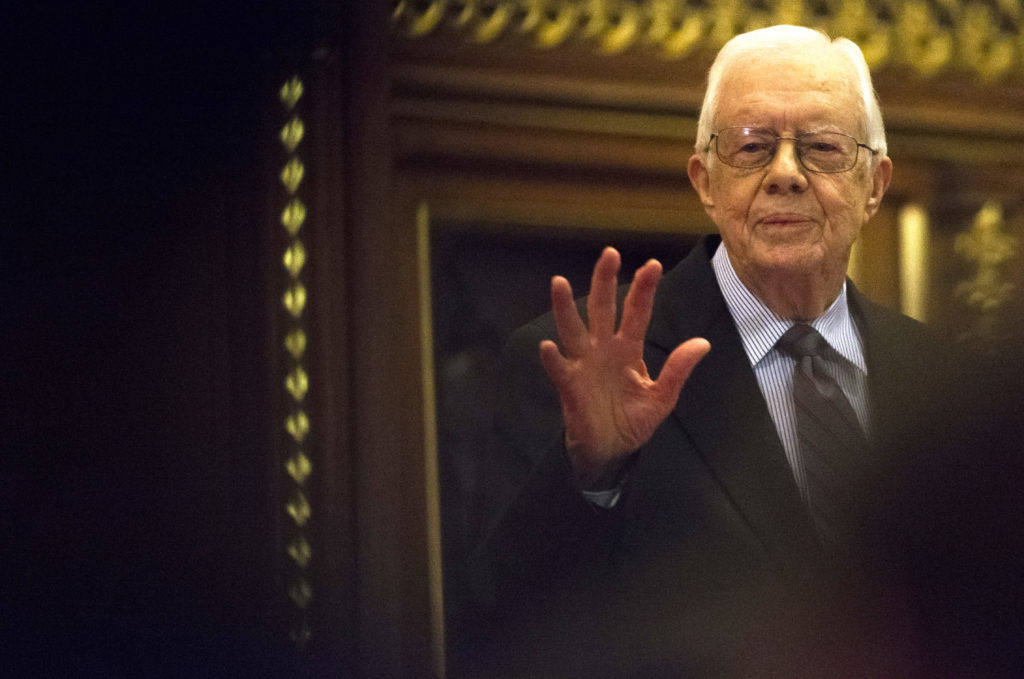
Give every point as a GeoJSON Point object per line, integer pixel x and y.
{"type": "Point", "coordinates": [442, 70]}
{"type": "Point", "coordinates": [984, 38]}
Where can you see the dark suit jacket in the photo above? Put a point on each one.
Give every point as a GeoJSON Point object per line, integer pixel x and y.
{"type": "Point", "coordinates": [709, 555]}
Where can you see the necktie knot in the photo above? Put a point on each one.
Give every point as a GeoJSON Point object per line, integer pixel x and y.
{"type": "Point", "coordinates": [802, 340]}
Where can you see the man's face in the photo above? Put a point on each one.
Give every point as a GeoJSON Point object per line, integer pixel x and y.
{"type": "Point", "coordinates": [781, 221]}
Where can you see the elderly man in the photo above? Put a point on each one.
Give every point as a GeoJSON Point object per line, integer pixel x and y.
{"type": "Point", "coordinates": [700, 470]}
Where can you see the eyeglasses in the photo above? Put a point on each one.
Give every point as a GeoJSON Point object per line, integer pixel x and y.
{"type": "Point", "coordinates": [751, 147]}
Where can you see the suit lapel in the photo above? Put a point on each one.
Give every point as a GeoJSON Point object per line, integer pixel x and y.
{"type": "Point", "coordinates": [722, 408]}
{"type": "Point", "coordinates": [899, 371]}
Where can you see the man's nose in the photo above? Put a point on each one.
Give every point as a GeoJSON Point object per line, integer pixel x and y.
{"type": "Point", "coordinates": [785, 171]}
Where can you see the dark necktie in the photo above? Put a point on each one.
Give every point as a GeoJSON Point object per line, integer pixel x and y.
{"type": "Point", "coordinates": [832, 443]}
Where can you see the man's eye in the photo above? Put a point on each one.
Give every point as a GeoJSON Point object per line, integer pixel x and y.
{"type": "Point", "coordinates": [754, 147]}
{"type": "Point", "coordinates": [822, 147]}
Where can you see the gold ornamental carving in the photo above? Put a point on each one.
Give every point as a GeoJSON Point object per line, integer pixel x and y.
{"type": "Point", "coordinates": [298, 550]}
{"type": "Point", "coordinates": [987, 246]}
{"type": "Point", "coordinates": [984, 37]}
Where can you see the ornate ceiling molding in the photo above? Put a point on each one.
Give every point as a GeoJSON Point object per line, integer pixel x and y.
{"type": "Point", "coordinates": [981, 37]}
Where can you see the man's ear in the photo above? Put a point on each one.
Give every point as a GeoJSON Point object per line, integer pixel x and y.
{"type": "Point", "coordinates": [879, 185]}
{"type": "Point", "coordinates": [700, 179]}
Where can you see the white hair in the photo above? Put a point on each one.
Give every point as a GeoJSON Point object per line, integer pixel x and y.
{"type": "Point", "coordinates": [783, 39]}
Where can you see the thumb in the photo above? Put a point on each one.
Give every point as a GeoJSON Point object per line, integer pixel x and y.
{"type": "Point", "coordinates": [678, 367]}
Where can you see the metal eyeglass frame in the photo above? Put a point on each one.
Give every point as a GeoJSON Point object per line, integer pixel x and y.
{"type": "Point", "coordinates": [796, 141]}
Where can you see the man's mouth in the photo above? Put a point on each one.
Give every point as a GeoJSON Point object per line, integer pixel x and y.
{"type": "Point", "coordinates": [784, 219]}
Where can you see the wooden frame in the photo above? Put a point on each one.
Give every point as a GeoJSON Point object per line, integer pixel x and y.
{"type": "Point", "coordinates": [417, 133]}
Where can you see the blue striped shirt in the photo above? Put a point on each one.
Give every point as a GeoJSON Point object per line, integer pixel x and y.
{"type": "Point", "coordinates": [760, 328]}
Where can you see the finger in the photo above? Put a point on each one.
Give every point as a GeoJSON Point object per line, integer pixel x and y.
{"type": "Point", "coordinates": [572, 332]}
{"type": "Point", "coordinates": [554, 363]}
{"type": "Point", "coordinates": [636, 308]}
{"type": "Point", "coordinates": [601, 300]}
{"type": "Point", "coordinates": [678, 367]}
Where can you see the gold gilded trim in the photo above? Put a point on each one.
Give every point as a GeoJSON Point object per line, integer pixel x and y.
{"type": "Point", "coordinates": [292, 174]}
{"type": "Point", "coordinates": [291, 92]}
{"type": "Point", "coordinates": [298, 549]}
{"type": "Point", "coordinates": [297, 383]}
{"type": "Point", "coordinates": [297, 426]}
{"type": "Point", "coordinates": [299, 509]}
{"type": "Point", "coordinates": [292, 133]}
{"type": "Point", "coordinates": [301, 592]}
{"type": "Point", "coordinates": [915, 246]}
{"type": "Point", "coordinates": [930, 36]}
{"type": "Point", "coordinates": [987, 246]}
{"type": "Point", "coordinates": [299, 467]}
{"type": "Point", "coordinates": [293, 216]}
{"type": "Point", "coordinates": [294, 299]}
{"type": "Point", "coordinates": [295, 258]}
{"type": "Point", "coordinates": [295, 343]}
{"type": "Point", "coordinates": [430, 461]}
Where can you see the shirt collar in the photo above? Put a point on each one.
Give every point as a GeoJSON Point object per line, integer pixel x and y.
{"type": "Point", "coordinates": [760, 328]}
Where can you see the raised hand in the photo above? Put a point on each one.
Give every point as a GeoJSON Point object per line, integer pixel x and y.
{"type": "Point", "coordinates": [610, 404]}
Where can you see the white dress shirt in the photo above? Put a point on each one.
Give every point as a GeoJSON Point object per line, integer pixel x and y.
{"type": "Point", "coordinates": [760, 328]}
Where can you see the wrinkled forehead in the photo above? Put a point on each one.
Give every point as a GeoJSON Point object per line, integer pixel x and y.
{"type": "Point", "coordinates": [820, 80]}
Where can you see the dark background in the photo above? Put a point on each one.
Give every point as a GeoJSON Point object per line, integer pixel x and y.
{"type": "Point", "coordinates": [133, 321]}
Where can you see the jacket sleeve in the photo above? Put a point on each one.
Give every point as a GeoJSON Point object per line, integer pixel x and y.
{"type": "Point", "coordinates": [543, 529]}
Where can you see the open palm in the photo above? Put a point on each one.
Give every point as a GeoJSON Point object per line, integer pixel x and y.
{"type": "Point", "coordinates": [610, 404]}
